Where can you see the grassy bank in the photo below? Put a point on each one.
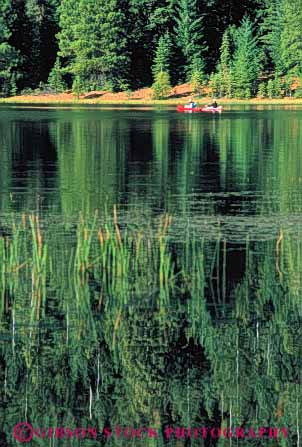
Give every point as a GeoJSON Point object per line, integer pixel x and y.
{"type": "Point", "coordinates": [43, 100]}
{"type": "Point", "coordinates": [142, 97]}
{"type": "Point", "coordinates": [168, 102]}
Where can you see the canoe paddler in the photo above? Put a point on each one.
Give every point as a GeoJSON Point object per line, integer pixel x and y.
{"type": "Point", "coordinates": [214, 104]}
{"type": "Point", "coordinates": [192, 104]}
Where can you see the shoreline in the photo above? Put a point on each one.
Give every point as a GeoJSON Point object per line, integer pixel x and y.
{"type": "Point", "coordinates": [140, 98]}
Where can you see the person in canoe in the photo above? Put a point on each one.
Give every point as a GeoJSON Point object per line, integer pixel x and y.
{"type": "Point", "coordinates": [213, 104]}
{"type": "Point", "coordinates": [191, 105]}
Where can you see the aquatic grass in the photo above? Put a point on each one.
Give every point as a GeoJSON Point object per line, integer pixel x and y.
{"type": "Point", "coordinates": [39, 267]}
{"type": "Point", "coordinates": [122, 264]}
{"type": "Point", "coordinates": [84, 244]}
{"type": "Point", "coordinates": [102, 263]}
{"type": "Point", "coordinates": [107, 276]}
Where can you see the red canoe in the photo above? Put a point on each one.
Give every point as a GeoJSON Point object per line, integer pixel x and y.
{"type": "Point", "coordinates": [199, 109]}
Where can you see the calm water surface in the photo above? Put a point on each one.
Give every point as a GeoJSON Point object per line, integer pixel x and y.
{"type": "Point", "coordinates": [222, 347]}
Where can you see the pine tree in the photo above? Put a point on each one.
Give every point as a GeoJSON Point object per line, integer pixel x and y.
{"type": "Point", "coordinates": [270, 89]}
{"type": "Point", "coordinates": [247, 60]}
{"type": "Point", "coordinates": [197, 76]}
{"type": "Point", "coordinates": [148, 20]}
{"type": "Point", "coordinates": [55, 79]}
{"type": "Point", "coordinates": [77, 87]}
{"type": "Point", "coordinates": [277, 87]}
{"type": "Point", "coordinates": [270, 28]}
{"type": "Point", "coordinates": [68, 14]}
{"type": "Point", "coordinates": [36, 22]}
{"type": "Point", "coordinates": [94, 43]}
{"type": "Point", "coordinates": [261, 90]}
{"type": "Point", "coordinates": [215, 84]}
{"type": "Point", "coordinates": [225, 64]}
{"type": "Point", "coordinates": [162, 85]}
{"type": "Point", "coordinates": [162, 56]}
{"type": "Point", "coordinates": [189, 33]}
{"type": "Point", "coordinates": [290, 39]}
{"type": "Point", "coordinates": [9, 57]}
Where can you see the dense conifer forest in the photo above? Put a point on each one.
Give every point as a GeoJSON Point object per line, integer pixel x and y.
{"type": "Point", "coordinates": [240, 50]}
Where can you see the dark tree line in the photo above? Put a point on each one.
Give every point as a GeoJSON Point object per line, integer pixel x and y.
{"type": "Point", "coordinates": [239, 50]}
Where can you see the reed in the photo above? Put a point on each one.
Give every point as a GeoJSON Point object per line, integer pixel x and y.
{"type": "Point", "coordinates": [114, 263]}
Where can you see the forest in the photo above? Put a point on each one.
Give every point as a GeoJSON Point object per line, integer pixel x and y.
{"type": "Point", "coordinates": [251, 49]}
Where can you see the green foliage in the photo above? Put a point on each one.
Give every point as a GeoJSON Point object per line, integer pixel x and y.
{"type": "Point", "coordinates": [118, 44]}
{"type": "Point", "coordinates": [77, 87]}
{"type": "Point", "coordinates": [239, 65]}
{"type": "Point", "coordinates": [246, 61]}
{"type": "Point", "coordinates": [287, 84]}
{"type": "Point", "coordinates": [36, 22]}
{"type": "Point", "coordinates": [162, 85]}
{"type": "Point", "coordinates": [277, 87]}
{"type": "Point", "coordinates": [9, 57]}
{"type": "Point", "coordinates": [197, 76]}
{"type": "Point", "coordinates": [270, 29]}
{"type": "Point", "coordinates": [94, 42]}
{"type": "Point", "coordinates": [270, 88]}
{"type": "Point", "coordinates": [8, 63]}
{"type": "Point", "coordinates": [215, 84]}
{"type": "Point", "coordinates": [163, 55]}
{"type": "Point", "coordinates": [298, 91]}
{"type": "Point", "coordinates": [55, 79]}
{"type": "Point", "coordinates": [280, 28]}
{"type": "Point", "coordinates": [274, 88]}
{"type": "Point", "coordinates": [224, 69]}
{"type": "Point", "coordinates": [261, 90]}
{"type": "Point", "coordinates": [189, 32]}
{"type": "Point", "coordinates": [290, 38]}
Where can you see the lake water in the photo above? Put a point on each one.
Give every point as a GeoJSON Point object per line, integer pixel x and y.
{"type": "Point", "coordinates": [150, 273]}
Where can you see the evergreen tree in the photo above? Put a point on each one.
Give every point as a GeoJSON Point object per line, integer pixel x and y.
{"type": "Point", "coordinates": [94, 43]}
{"type": "Point", "coordinates": [162, 56]}
{"type": "Point", "coordinates": [189, 33]}
{"type": "Point", "coordinates": [33, 25]}
{"type": "Point", "coordinates": [8, 55]}
{"type": "Point", "coordinates": [77, 87]}
{"type": "Point", "coordinates": [225, 64]}
{"type": "Point", "coordinates": [270, 89]}
{"type": "Point", "coordinates": [148, 20]}
{"type": "Point", "coordinates": [68, 14]}
{"type": "Point", "coordinates": [277, 87]}
{"type": "Point", "coordinates": [215, 84]}
{"type": "Point", "coordinates": [287, 84]}
{"type": "Point", "coordinates": [162, 85]}
{"type": "Point", "coordinates": [112, 44]}
{"type": "Point", "coordinates": [261, 90]}
{"type": "Point", "coordinates": [197, 77]}
{"type": "Point", "coordinates": [290, 39]}
{"type": "Point", "coordinates": [270, 28]}
{"type": "Point", "coordinates": [247, 60]}
{"type": "Point", "coordinates": [55, 79]}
